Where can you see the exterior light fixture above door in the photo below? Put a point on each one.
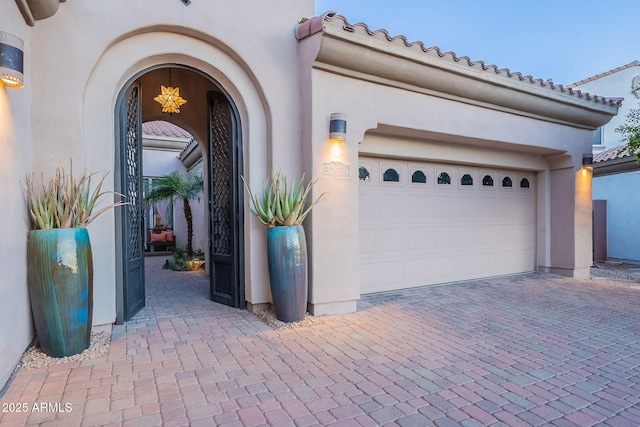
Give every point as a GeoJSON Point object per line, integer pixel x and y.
{"type": "Point", "coordinates": [170, 98]}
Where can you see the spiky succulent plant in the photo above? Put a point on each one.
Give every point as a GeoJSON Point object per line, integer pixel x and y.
{"type": "Point", "coordinates": [64, 201]}
{"type": "Point", "coordinates": [282, 203]}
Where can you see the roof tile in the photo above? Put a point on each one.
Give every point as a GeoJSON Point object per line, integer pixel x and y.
{"type": "Point", "coordinates": [162, 128]}
{"type": "Point", "coordinates": [315, 25]}
{"type": "Point", "coordinates": [635, 63]}
{"type": "Point", "coordinates": [618, 152]}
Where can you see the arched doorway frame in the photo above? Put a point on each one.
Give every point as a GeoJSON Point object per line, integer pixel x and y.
{"type": "Point", "coordinates": [227, 275]}
{"type": "Point", "coordinates": [122, 61]}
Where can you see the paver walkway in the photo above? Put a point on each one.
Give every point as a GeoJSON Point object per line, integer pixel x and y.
{"type": "Point", "coordinates": [520, 351]}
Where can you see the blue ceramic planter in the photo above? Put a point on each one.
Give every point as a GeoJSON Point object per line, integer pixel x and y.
{"type": "Point", "coordinates": [287, 255]}
{"type": "Point", "coordinates": [60, 279]}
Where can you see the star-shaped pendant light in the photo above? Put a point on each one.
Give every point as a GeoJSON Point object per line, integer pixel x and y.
{"type": "Point", "coordinates": [170, 99]}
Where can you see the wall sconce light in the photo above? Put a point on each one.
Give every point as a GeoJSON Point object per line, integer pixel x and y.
{"type": "Point", "coordinates": [587, 161]}
{"type": "Point", "coordinates": [338, 127]}
{"type": "Point", "coordinates": [11, 60]}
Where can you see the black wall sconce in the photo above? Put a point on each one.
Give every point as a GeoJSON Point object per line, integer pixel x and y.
{"type": "Point", "coordinates": [338, 127]}
{"type": "Point", "coordinates": [11, 60]}
{"type": "Point", "coordinates": [587, 161]}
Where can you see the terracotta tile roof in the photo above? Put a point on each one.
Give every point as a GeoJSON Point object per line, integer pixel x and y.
{"type": "Point", "coordinates": [162, 128]}
{"type": "Point", "coordinates": [618, 152]}
{"type": "Point", "coordinates": [309, 27]}
{"type": "Point", "coordinates": [635, 63]}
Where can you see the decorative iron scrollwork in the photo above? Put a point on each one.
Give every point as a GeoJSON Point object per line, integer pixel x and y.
{"type": "Point", "coordinates": [132, 162]}
{"type": "Point", "coordinates": [221, 180]}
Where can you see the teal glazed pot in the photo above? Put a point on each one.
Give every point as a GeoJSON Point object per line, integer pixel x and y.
{"type": "Point", "coordinates": [287, 256]}
{"type": "Point", "coordinates": [60, 280]}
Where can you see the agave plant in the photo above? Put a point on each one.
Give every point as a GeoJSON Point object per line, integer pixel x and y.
{"type": "Point", "coordinates": [64, 201]}
{"type": "Point", "coordinates": [282, 203]}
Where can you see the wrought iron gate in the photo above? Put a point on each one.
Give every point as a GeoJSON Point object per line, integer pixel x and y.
{"type": "Point", "coordinates": [131, 295]}
{"type": "Point", "coordinates": [225, 203]}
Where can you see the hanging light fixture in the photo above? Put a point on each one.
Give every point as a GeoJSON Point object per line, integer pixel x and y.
{"type": "Point", "coordinates": [170, 98]}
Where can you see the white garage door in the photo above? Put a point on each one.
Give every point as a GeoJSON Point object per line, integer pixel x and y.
{"type": "Point", "coordinates": [427, 223]}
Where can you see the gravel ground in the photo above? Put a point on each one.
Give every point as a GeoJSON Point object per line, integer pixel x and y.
{"type": "Point", "coordinates": [99, 347]}
{"type": "Point", "coordinates": [269, 317]}
{"type": "Point", "coordinates": [617, 271]}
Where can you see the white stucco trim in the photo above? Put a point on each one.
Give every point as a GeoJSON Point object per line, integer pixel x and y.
{"type": "Point", "coordinates": [119, 63]}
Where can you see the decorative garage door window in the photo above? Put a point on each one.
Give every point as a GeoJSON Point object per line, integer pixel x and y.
{"type": "Point", "coordinates": [466, 179]}
{"type": "Point", "coordinates": [444, 179]}
{"type": "Point", "coordinates": [487, 181]}
{"type": "Point", "coordinates": [524, 183]}
{"type": "Point", "coordinates": [363, 174]}
{"type": "Point", "coordinates": [391, 175]}
{"type": "Point", "coordinates": [506, 182]}
{"type": "Point", "coordinates": [419, 177]}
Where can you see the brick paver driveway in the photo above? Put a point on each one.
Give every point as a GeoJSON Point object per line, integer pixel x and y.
{"type": "Point", "coordinates": [524, 350]}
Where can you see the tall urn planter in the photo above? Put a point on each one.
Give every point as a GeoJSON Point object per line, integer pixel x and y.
{"type": "Point", "coordinates": [288, 276]}
{"type": "Point", "coordinates": [59, 259]}
{"type": "Point", "coordinates": [60, 280]}
{"type": "Point", "coordinates": [282, 209]}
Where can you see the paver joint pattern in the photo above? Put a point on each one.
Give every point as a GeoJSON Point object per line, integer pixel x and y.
{"type": "Point", "coordinates": [526, 350]}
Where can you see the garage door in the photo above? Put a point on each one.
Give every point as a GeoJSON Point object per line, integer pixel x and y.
{"type": "Point", "coordinates": [428, 223]}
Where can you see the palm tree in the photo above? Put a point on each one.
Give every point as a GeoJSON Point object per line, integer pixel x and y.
{"type": "Point", "coordinates": [177, 186]}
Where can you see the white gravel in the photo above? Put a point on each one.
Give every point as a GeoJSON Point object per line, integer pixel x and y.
{"type": "Point", "coordinates": [99, 347]}
{"type": "Point", "coordinates": [269, 317]}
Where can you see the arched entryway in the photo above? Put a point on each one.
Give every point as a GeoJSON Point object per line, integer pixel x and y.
{"type": "Point", "coordinates": [212, 117]}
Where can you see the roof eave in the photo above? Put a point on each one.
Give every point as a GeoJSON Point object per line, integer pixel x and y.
{"type": "Point", "coordinates": [614, 166]}
{"type": "Point", "coordinates": [374, 56]}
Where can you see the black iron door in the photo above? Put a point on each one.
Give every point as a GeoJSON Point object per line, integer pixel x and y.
{"type": "Point", "coordinates": [129, 182]}
{"type": "Point", "coordinates": [225, 203]}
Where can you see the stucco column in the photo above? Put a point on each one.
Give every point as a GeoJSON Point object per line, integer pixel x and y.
{"type": "Point", "coordinates": [584, 224]}
{"type": "Point", "coordinates": [332, 229]}
{"type": "Point", "coordinates": [570, 220]}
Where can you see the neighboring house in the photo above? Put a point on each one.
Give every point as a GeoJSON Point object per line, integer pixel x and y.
{"type": "Point", "coordinates": [451, 169]}
{"type": "Point", "coordinates": [167, 148]}
{"type": "Point", "coordinates": [618, 83]}
{"type": "Point", "coordinates": [616, 174]}
{"type": "Point", "coordinates": [616, 178]}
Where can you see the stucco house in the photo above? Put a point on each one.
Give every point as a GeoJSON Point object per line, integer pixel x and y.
{"type": "Point", "coordinates": [452, 169]}
{"type": "Point", "coordinates": [616, 173]}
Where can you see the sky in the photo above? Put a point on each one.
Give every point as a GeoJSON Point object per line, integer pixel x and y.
{"type": "Point", "coordinates": [566, 40]}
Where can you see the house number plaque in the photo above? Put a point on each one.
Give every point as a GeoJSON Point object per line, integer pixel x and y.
{"type": "Point", "coordinates": [336, 170]}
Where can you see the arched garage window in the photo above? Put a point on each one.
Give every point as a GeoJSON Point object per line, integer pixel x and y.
{"type": "Point", "coordinates": [487, 181]}
{"type": "Point", "coordinates": [524, 183]}
{"type": "Point", "coordinates": [444, 178]}
{"type": "Point", "coordinates": [466, 179]}
{"type": "Point", "coordinates": [391, 175]}
{"type": "Point", "coordinates": [419, 177]}
{"type": "Point", "coordinates": [506, 182]}
{"type": "Point", "coordinates": [363, 174]}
